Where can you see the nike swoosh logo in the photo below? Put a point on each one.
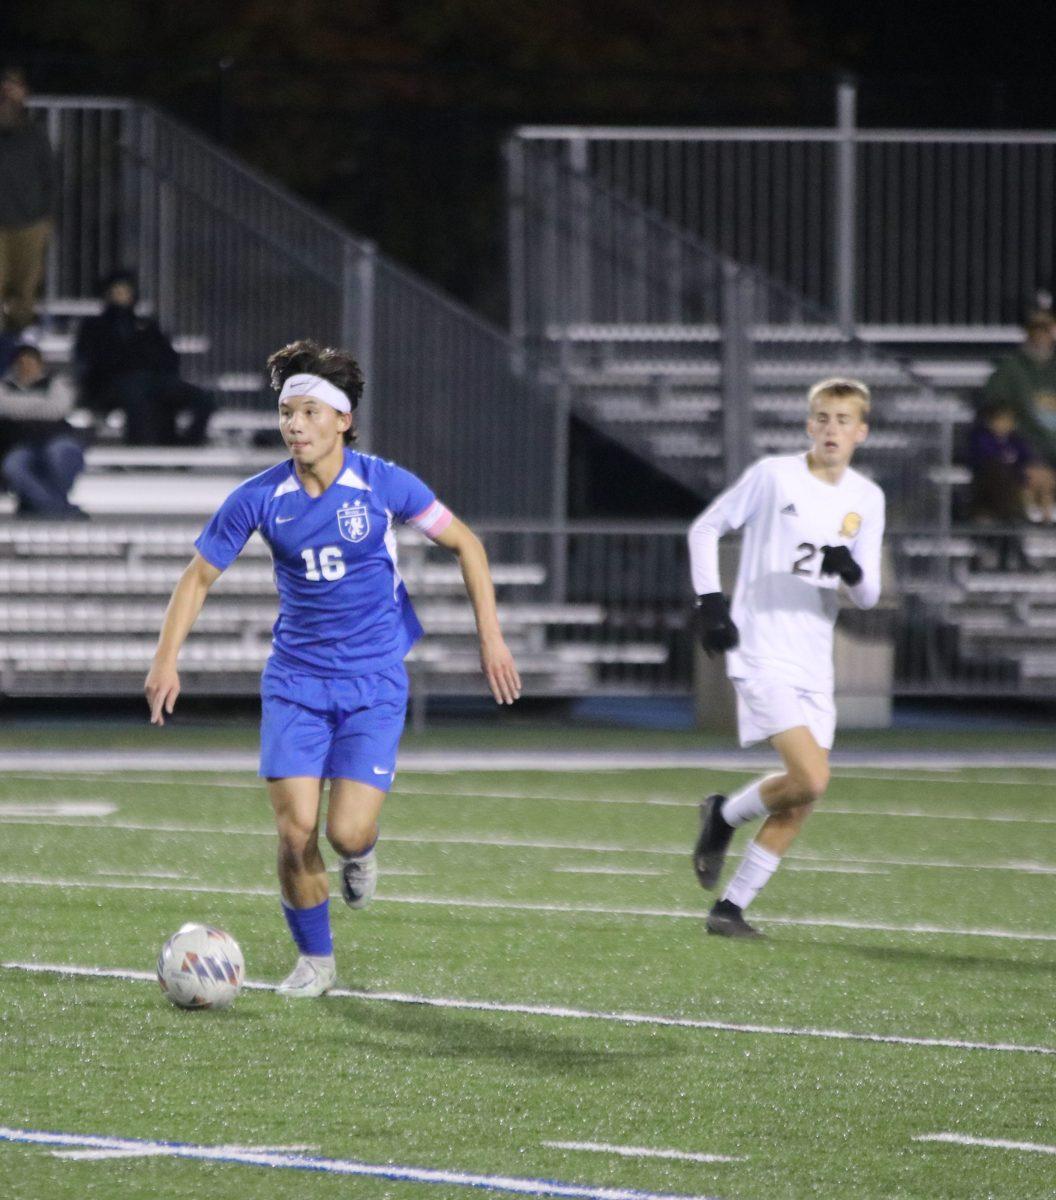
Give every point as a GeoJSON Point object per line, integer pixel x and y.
{"type": "Point", "coordinates": [380, 771]}
{"type": "Point", "coordinates": [283, 520]}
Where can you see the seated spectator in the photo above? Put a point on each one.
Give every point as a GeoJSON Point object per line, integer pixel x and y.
{"type": "Point", "coordinates": [1025, 383]}
{"type": "Point", "coordinates": [1007, 484]}
{"type": "Point", "coordinates": [126, 363]}
{"type": "Point", "coordinates": [40, 452]}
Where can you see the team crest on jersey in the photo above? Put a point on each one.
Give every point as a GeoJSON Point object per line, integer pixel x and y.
{"type": "Point", "coordinates": [353, 521]}
{"type": "Point", "coordinates": [852, 522]}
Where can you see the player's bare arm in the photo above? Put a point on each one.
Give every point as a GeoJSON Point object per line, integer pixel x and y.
{"type": "Point", "coordinates": [495, 658]}
{"type": "Point", "coordinates": [162, 685]}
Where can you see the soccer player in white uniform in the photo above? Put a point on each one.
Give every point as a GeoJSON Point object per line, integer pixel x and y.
{"type": "Point", "coordinates": [812, 528]}
{"type": "Point", "coordinates": [334, 689]}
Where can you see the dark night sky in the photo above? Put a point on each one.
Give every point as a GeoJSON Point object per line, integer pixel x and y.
{"type": "Point", "coordinates": [391, 114]}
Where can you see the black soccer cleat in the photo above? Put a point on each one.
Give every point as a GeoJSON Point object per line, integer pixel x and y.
{"type": "Point", "coordinates": [727, 920]}
{"type": "Point", "coordinates": [710, 851]}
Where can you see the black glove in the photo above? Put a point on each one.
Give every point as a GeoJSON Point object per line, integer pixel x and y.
{"type": "Point", "coordinates": [714, 626]}
{"type": "Point", "coordinates": [837, 560]}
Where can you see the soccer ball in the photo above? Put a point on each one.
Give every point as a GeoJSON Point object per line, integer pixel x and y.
{"type": "Point", "coordinates": [201, 967]}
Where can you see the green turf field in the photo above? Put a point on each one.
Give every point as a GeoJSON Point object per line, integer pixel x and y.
{"type": "Point", "coordinates": [547, 892]}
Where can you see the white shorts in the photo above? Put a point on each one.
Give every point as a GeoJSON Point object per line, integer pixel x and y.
{"type": "Point", "coordinates": [764, 709]}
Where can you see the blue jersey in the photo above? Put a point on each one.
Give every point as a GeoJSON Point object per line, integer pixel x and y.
{"type": "Point", "coordinates": [343, 608]}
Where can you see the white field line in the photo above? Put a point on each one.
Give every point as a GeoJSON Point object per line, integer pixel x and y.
{"type": "Point", "coordinates": [646, 1152]}
{"type": "Point", "coordinates": [147, 874]}
{"type": "Point", "coordinates": [565, 1013]}
{"type": "Point", "coordinates": [660, 801]}
{"type": "Point", "coordinates": [918, 814]}
{"type": "Point", "coordinates": [504, 843]}
{"type": "Point", "coordinates": [334, 1166]}
{"type": "Point", "coordinates": [455, 761]}
{"type": "Point", "coordinates": [496, 905]}
{"type": "Point", "coordinates": [639, 801]}
{"type": "Point", "coordinates": [57, 808]}
{"type": "Point", "coordinates": [961, 1139]}
{"type": "Point", "coordinates": [622, 872]}
{"type": "Point", "coordinates": [823, 809]}
{"type": "Point", "coordinates": [256, 784]}
{"type": "Point", "coordinates": [401, 872]}
{"type": "Point", "coordinates": [955, 780]}
{"type": "Point", "coordinates": [835, 869]}
{"type": "Point", "coordinates": [155, 1152]}
{"type": "Point", "coordinates": [639, 872]}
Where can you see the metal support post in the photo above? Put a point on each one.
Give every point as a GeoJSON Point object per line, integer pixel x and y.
{"type": "Point", "coordinates": [559, 498]}
{"type": "Point", "coordinates": [579, 285]}
{"type": "Point", "coordinates": [737, 417]}
{"type": "Point", "coordinates": [845, 203]}
{"type": "Point", "coordinates": [516, 249]}
{"type": "Point", "coordinates": [51, 268]}
{"type": "Point", "coordinates": [358, 282]}
{"type": "Point", "coordinates": [166, 277]}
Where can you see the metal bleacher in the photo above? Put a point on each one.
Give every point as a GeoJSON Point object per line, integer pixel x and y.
{"type": "Point", "coordinates": [234, 266]}
{"type": "Point", "coordinates": [989, 623]}
{"type": "Point", "coordinates": [671, 335]}
{"type": "Point", "coordinates": [660, 391]}
{"type": "Point", "coordinates": [81, 604]}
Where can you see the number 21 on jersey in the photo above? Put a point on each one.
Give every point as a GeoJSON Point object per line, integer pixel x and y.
{"type": "Point", "coordinates": [804, 565]}
{"type": "Point", "coordinates": [330, 565]}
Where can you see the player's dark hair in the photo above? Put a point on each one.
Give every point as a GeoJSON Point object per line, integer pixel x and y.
{"type": "Point", "coordinates": [306, 357]}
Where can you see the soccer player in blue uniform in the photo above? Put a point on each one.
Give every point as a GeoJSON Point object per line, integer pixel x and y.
{"type": "Point", "coordinates": [334, 690]}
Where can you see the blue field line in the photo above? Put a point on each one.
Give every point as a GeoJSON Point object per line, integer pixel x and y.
{"type": "Point", "coordinates": [337, 1166]}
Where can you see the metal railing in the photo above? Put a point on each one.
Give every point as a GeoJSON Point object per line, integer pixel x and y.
{"type": "Point", "coordinates": [614, 302]}
{"type": "Point", "coordinates": [967, 611]}
{"type": "Point", "coordinates": [226, 255]}
{"type": "Point", "coordinates": [239, 266]}
{"type": "Point", "coordinates": [923, 234]}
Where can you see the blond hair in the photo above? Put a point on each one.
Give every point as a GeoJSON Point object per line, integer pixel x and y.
{"type": "Point", "coordinates": [841, 389]}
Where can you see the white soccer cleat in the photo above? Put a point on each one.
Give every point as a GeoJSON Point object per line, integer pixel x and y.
{"type": "Point", "coordinates": [359, 879]}
{"type": "Point", "coordinates": [313, 975]}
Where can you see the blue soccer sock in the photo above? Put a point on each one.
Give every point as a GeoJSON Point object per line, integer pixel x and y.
{"type": "Point", "coordinates": [310, 928]}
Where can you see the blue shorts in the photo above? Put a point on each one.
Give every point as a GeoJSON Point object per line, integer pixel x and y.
{"type": "Point", "coordinates": [343, 728]}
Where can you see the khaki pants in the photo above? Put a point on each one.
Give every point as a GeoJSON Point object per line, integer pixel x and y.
{"type": "Point", "coordinates": [22, 271]}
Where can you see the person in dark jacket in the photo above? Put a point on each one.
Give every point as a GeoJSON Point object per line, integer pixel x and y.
{"type": "Point", "coordinates": [27, 197]}
{"type": "Point", "coordinates": [124, 361]}
{"type": "Point", "coordinates": [1000, 458]}
{"type": "Point", "coordinates": [40, 452]}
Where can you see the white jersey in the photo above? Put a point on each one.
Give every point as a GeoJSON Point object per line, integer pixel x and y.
{"type": "Point", "coordinates": [782, 605]}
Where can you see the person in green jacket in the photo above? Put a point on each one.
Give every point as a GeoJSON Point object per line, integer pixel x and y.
{"type": "Point", "coordinates": [1024, 383]}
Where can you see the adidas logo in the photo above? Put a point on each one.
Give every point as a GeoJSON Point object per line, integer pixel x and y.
{"type": "Point", "coordinates": [789, 511]}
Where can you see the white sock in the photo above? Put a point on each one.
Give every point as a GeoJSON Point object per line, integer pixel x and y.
{"type": "Point", "coordinates": [747, 804]}
{"type": "Point", "coordinates": [756, 868]}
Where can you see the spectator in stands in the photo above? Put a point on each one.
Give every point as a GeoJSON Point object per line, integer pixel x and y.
{"type": "Point", "coordinates": [1025, 383]}
{"type": "Point", "coordinates": [27, 193]}
{"type": "Point", "coordinates": [126, 363]}
{"type": "Point", "coordinates": [1004, 486]}
{"type": "Point", "coordinates": [40, 452]}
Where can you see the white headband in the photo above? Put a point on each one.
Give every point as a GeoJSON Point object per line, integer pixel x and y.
{"type": "Point", "coordinates": [321, 389]}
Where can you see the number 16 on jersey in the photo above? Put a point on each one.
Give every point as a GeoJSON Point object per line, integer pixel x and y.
{"type": "Point", "coordinates": [330, 565]}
